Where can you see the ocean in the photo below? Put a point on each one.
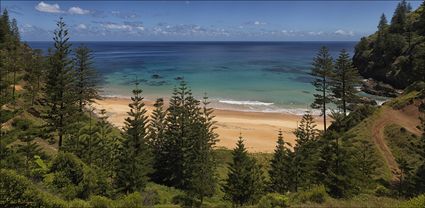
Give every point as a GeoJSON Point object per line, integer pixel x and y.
{"type": "Point", "coordinates": [246, 76]}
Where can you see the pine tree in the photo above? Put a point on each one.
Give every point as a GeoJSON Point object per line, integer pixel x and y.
{"type": "Point", "coordinates": [345, 79]}
{"type": "Point", "coordinates": [134, 162]}
{"type": "Point", "coordinates": [383, 23]}
{"type": "Point", "coordinates": [336, 168]}
{"type": "Point", "coordinates": [244, 182]}
{"type": "Point", "coordinates": [204, 180]}
{"type": "Point", "coordinates": [403, 176]}
{"type": "Point", "coordinates": [89, 142]}
{"type": "Point", "coordinates": [60, 83]}
{"type": "Point", "coordinates": [34, 75]}
{"type": "Point", "coordinates": [322, 72]}
{"type": "Point", "coordinates": [280, 167]}
{"type": "Point", "coordinates": [419, 178]}
{"type": "Point", "coordinates": [399, 19]}
{"type": "Point", "coordinates": [87, 78]}
{"type": "Point", "coordinates": [29, 149]}
{"type": "Point", "coordinates": [4, 27]}
{"type": "Point", "coordinates": [304, 153]}
{"type": "Point", "coordinates": [366, 162]}
{"type": "Point", "coordinates": [420, 24]}
{"type": "Point", "coordinates": [108, 147]}
{"type": "Point", "coordinates": [181, 136]}
{"type": "Point", "coordinates": [306, 130]}
{"type": "Point", "coordinates": [157, 127]}
{"type": "Point", "coordinates": [177, 143]}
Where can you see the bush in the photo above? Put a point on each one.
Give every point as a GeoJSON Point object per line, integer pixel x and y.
{"type": "Point", "coordinates": [131, 200]}
{"type": "Point", "coordinates": [273, 200]}
{"type": "Point", "coordinates": [150, 198]}
{"type": "Point", "coordinates": [418, 201]}
{"type": "Point", "coordinates": [22, 124]}
{"type": "Point", "coordinates": [186, 201]}
{"type": "Point", "coordinates": [78, 203]}
{"type": "Point", "coordinates": [164, 193]}
{"type": "Point", "coordinates": [381, 190]}
{"type": "Point", "coordinates": [100, 202]}
{"type": "Point", "coordinates": [69, 167]}
{"type": "Point", "coordinates": [6, 115]}
{"type": "Point", "coordinates": [317, 194]}
{"type": "Point", "coordinates": [18, 191]}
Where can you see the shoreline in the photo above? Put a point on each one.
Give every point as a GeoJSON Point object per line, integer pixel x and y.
{"type": "Point", "coordinates": [259, 129]}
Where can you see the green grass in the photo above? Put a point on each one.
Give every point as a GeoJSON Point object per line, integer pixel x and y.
{"type": "Point", "coordinates": [360, 201]}
{"type": "Point", "coordinates": [403, 100]}
{"type": "Point", "coordinates": [362, 132]}
{"type": "Point", "coordinates": [403, 144]}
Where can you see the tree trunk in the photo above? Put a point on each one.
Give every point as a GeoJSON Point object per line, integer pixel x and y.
{"type": "Point", "coordinates": [14, 83]}
{"type": "Point", "coordinates": [324, 104]}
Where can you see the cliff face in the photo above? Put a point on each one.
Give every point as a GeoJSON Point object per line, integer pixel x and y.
{"type": "Point", "coordinates": [395, 54]}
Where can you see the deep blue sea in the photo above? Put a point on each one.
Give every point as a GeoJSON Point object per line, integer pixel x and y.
{"type": "Point", "coordinates": [251, 76]}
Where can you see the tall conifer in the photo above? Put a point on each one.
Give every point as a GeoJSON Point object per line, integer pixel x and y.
{"type": "Point", "coordinates": [244, 182]}
{"type": "Point", "coordinates": [280, 167]}
{"type": "Point", "coordinates": [87, 79]}
{"type": "Point", "coordinates": [322, 72]}
{"type": "Point", "coordinates": [345, 79]}
{"type": "Point", "coordinates": [134, 162]}
{"type": "Point", "coordinates": [60, 83]}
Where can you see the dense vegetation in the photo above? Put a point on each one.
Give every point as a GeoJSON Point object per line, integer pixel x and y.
{"type": "Point", "coordinates": [395, 54]}
{"type": "Point", "coordinates": [56, 150]}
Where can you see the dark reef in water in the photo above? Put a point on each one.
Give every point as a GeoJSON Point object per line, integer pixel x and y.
{"type": "Point", "coordinates": [303, 79]}
{"type": "Point", "coordinates": [156, 76]}
{"type": "Point", "coordinates": [157, 83]}
{"type": "Point", "coordinates": [263, 62]}
{"type": "Point", "coordinates": [283, 69]}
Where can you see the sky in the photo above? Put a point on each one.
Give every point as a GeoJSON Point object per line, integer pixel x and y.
{"type": "Point", "coordinates": [201, 20]}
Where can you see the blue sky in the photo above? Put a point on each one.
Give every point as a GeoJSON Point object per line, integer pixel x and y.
{"type": "Point", "coordinates": [201, 20]}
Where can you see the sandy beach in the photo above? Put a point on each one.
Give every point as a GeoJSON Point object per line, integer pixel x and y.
{"type": "Point", "coordinates": [259, 129]}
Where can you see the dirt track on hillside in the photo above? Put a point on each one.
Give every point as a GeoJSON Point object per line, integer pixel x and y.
{"type": "Point", "coordinates": [406, 117]}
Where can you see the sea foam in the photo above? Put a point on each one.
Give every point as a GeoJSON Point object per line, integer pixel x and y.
{"type": "Point", "coordinates": [235, 102]}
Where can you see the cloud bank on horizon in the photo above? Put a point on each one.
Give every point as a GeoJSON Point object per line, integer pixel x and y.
{"type": "Point", "coordinates": [201, 20]}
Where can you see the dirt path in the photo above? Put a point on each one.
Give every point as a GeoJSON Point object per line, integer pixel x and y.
{"type": "Point", "coordinates": [407, 118]}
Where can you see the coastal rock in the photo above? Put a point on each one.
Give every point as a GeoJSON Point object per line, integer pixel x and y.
{"type": "Point", "coordinates": [363, 101]}
{"type": "Point", "coordinates": [156, 76]}
{"type": "Point", "coordinates": [373, 87]}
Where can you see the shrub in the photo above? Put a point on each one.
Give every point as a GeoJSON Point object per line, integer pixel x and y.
{"type": "Point", "coordinates": [78, 203]}
{"type": "Point", "coordinates": [131, 200]}
{"type": "Point", "coordinates": [18, 191]}
{"type": "Point", "coordinates": [418, 201]}
{"type": "Point", "coordinates": [186, 201]}
{"type": "Point", "coordinates": [22, 124]}
{"type": "Point", "coordinates": [316, 194]}
{"type": "Point", "coordinates": [381, 190]}
{"type": "Point", "coordinates": [273, 200]}
{"type": "Point", "coordinates": [150, 198]}
{"type": "Point", "coordinates": [100, 202]}
{"type": "Point", "coordinates": [69, 167]}
{"type": "Point", "coordinates": [6, 115]}
{"type": "Point", "coordinates": [165, 193]}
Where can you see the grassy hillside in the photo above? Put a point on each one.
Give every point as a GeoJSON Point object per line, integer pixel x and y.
{"type": "Point", "coordinates": [393, 130]}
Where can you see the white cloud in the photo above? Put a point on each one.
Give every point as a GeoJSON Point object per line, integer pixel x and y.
{"type": "Point", "coordinates": [343, 32]}
{"type": "Point", "coordinates": [316, 33]}
{"type": "Point", "coordinates": [78, 10]}
{"type": "Point", "coordinates": [259, 23]}
{"type": "Point", "coordinates": [55, 8]}
{"type": "Point", "coordinates": [81, 27]}
{"type": "Point", "coordinates": [49, 8]}
{"type": "Point", "coordinates": [114, 26]}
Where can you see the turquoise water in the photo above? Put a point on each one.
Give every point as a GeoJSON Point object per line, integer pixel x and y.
{"type": "Point", "coordinates": [252, 76]}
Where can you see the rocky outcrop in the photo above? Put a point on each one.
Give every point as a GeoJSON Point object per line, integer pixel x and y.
{"type": "Point", "coordinates": [373, 87]}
